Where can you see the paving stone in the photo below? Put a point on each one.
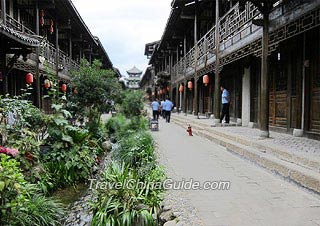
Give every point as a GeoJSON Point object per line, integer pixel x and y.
{"type": "Point", "coordinates": [264, 198]}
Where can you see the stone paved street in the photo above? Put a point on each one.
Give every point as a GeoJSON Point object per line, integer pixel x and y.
{"type": "Point", "coordinates": [256, 196]}
{"type": "Point", "coordinates": [299, 145]}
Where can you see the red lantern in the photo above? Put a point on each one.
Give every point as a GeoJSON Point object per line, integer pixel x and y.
{"type": "Point", "coordinates": [41, 13]}
{"type": "Point", "coordinates": [29, 78]}
{"type": "Point", "coordinates": [41, 21]}
{"type": "Point", "coordinates": [47, 83]}
{"type": "Point", "coordinates": [206, 80]}
{"type": "Point", "coordinates": [190, 85]}
{"type": "Point", "coordinates": [64, 88]}
{"type": "Point", "coordinates": [181, 88]}
{"type": "Point", "coordinates": [51, 27]}
{"type": "Point", "coordinates": [41, 17]}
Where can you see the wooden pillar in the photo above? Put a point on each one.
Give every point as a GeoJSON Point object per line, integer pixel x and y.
{"type": "Point", "coordinates": [70, 45]}
{"type": "Point", "coordinates": [196, 97]}
{"type": "Point", "coordinates": [195, 23]}
{"type": "Point", "coordinates": [3, 52]}
{"type": "Point", "coordinates": [217, 93]}
{"type": "Point", "coordinates": [185, 101]}
{"type": "Point", "coordinates": [264, 95]}
{"type": "Point", "coordinates": [37, 75]}
{"type": "Point", "coordinates": [3, 64]}
{"type": "Point", "coordinates": [3, 12]}
{"type": "Point", "coordinates": [177, 98]}
{"type": "Point", "coordinates": [57, 49]}
{"type": "Point", "coordinates": [185, 45]}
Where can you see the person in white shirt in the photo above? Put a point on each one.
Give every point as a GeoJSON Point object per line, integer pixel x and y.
{"type": "Point", "coordinates": [163, 112]}
{"type": "Point", "coordinates": [225, 99]}
{"type": "Point", "coordinates": [155, 109]}
{"type": "Point", "coordinates": [168, 105]}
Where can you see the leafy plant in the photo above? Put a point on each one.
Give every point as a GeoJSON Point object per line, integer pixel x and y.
{"type": "Point", "coordinates": [21, 202]}
{"type": "Point", "coordinates": [122, 205]}
{"type": "Point", "coordinates": [72, 154]}
{"type": "Point", "coordinates": [136, 150]}
{"type": "Point", "coordinates": [132, 104]}
{"type": "Point", "coordinates": [95, 87]}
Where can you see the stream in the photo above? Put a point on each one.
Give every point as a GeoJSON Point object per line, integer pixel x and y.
{"type": "Point", "coordinates": [77, 199]}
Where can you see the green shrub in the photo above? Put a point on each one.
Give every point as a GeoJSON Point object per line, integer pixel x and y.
{"type": "Point", "coordinates": [122, 205]}
{"type": "Point", "coordinates": [132, 104]}
{"type": "Point", "coordinates": [136, 150]}
{"type": "Point", "coordinates": [21, 202]}
{"type": "Point", "coordinates": [73, 153]}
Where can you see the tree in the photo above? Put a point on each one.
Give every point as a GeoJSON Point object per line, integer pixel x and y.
{"type": "Point", "coordinates": [93, 88]}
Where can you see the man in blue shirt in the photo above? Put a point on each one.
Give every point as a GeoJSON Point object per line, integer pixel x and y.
{"type": "Point", "coordinates": [225, 99]}
{"type": "Point", "coordinates": [155, 109]}
{"type": "Point", "coordinates": [167, 106]}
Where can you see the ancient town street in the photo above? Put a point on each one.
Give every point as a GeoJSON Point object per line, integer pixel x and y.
{"type": "Point", "coordinates": [256, 196]}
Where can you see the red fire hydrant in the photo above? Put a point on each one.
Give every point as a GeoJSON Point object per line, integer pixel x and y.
{"type": "Point", "coordinates": [189, 130]}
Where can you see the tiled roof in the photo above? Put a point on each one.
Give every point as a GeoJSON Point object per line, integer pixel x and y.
{"type": "Point", "coordinates": [18, 36]}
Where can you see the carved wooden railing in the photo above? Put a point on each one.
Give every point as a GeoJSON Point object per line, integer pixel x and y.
{"type": "Point", "coordinates": [232, 24]}
{"type": "Point", "coordinates": [47, 50]}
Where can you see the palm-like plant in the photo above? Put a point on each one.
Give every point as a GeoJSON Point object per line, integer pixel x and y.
{"type": "Point", "coordinates": [120, 201]}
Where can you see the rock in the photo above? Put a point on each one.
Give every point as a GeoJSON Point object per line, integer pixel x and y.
{"type": "Point", "coordinates": [107, 146]}
{"type": "Point", "coordinates": [170, 223]}
{"type": "Point", "coordinates": [166, 216]}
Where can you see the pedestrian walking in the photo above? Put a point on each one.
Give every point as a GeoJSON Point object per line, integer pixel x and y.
{"type": "Point", "coordinates": [225, 99]}
{"type": "Point", "coordinates": [155, 109]}
{"type": "Point", "coordinates": [163, 111]}
{"type": "Point", "coordinates": [168, 105]}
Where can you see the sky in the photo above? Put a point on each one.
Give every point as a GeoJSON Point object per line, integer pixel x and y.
{"type": "Point", "coordinates": [125, 26]}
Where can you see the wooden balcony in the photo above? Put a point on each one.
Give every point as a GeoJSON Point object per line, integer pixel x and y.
{"type": "Point", "coordinates": [49, 56]}
{"type": "Point", "coordinates": [239, 37]}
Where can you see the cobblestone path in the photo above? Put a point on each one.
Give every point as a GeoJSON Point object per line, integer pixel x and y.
{"type": "Point", "coordinates": [256, 197]}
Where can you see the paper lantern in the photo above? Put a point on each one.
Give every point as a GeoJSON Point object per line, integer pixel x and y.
{"type": "Point", "coordinates": [181, 88]}
{"type": "Point", "coordinates": [206, 80]}
{"type": "Point", "coordinates": [47, 83]}
{"type": "Point", "coordinates": [64, 88]}
{"type": "Point", "coordinates": [190, 85]}
{"type": "Point", "coordinates": [29, 78]}
{"type": "Point", "coordinates": [51, 27]}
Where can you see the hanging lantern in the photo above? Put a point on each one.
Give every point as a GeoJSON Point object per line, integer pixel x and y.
{"type": "Point", "coordinates": [51, 27]}
{"type": "Point", "coordinates": [41, 18]}
{"type": "Point", "coordinates": [41, 13]}
{"type": "Point", "coordinates": [41, 21]}
{"type": "Point", "coordinates": [29, 78]}
{"type": "Point", "coordinates": [64, 88]}
{"type": "Point", "coordinates": [47, 83]}
{"type": "Point", "coordinates": [181, 88]}
{"type": "Point", "coordinates": [190, 85]}
{"type": "Point", "coordinates": [205, 80]}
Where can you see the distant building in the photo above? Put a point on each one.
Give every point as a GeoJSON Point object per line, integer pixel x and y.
{"type": "Point", "coordinates": [134, 78]}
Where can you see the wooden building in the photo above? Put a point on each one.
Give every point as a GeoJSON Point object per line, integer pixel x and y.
{"type": "Point", "coordinates": [266, 53]}
{"type": "Point", "coordinates": [37, 36]}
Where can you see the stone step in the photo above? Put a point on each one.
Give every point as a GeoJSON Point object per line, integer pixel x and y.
{"type": "Point", "coordinates": [300, 175]}
{"type": "Point", "coordinates": [313, 164]}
